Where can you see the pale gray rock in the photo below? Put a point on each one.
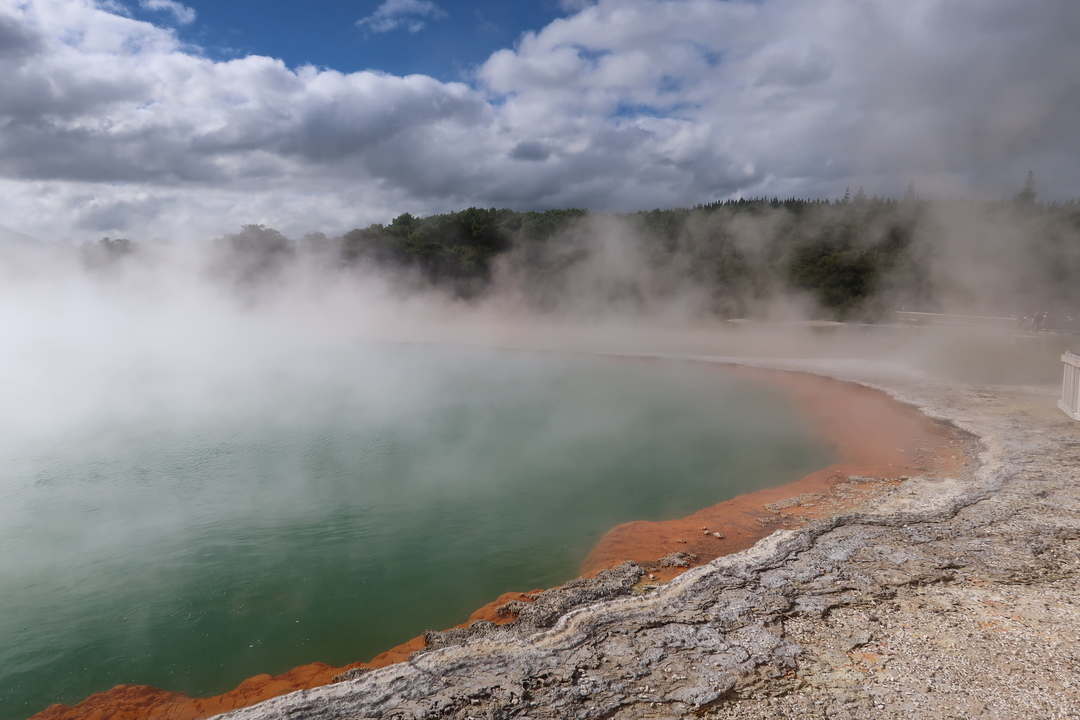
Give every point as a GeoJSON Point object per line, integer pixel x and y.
{"type": "Point", "coordinates": [950, 598]}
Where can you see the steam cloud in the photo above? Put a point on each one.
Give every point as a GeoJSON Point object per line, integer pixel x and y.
{"type": "Point", "coordinates": [592, 278]}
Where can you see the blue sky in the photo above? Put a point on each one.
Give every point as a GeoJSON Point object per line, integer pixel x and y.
{"type": "Point", "coordinates": [186, 119]}
{"type": "Point", "coordinates": [451, 42]}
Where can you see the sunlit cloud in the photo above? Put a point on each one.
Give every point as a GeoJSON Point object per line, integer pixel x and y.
{"type": "Point", "coordinates": [110, 124]}
{"type": "Point", "coordinates": [180, 12]}
{"type": "Point", "coordinates": [409, 15]}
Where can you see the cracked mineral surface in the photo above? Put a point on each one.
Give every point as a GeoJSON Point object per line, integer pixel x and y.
{"type": "Point", "coordinates": [944, 598]}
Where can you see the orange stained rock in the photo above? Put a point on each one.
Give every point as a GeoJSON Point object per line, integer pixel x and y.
{"type": "Point", "coordinates": [141, 702]}
{"type": "Point", "coordinates": [874, 436]}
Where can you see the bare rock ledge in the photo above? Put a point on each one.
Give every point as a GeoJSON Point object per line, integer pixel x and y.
{"type": "Point", "coordinates": [952, 598]}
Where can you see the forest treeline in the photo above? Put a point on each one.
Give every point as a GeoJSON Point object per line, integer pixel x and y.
{"type": "Point", "coordinates": [857, 258]}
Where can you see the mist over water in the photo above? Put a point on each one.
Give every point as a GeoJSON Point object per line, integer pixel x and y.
{"type": "Point", "coordinates": [198, 490]}
{"type": "Point", "coordinates": [225, 457]}
{"type": "Point", "coordinates": [211, 470]}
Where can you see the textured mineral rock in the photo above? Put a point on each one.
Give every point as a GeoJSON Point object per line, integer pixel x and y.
{"type": "Point", "coordinates": [950, 597]}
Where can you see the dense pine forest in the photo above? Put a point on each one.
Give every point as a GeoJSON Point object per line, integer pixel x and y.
{"type": "Point", "coordinates": [857, 258]}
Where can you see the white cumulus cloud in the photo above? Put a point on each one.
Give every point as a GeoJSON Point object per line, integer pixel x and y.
{"type": "Point", "coordinates": [110, 125]}
{"type": "Point", "coordinates": [411, 15]}
{"type": "Point", "coordinates": [180, 12]}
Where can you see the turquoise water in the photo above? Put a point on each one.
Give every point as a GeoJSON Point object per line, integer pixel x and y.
{"type": "Point", "coordinates": [190, 524]}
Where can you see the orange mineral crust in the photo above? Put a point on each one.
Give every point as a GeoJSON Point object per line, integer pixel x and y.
{"type": "Point", "coordinates": [141, 702]}
{"type": "Point", "coordinates": [878, 442]}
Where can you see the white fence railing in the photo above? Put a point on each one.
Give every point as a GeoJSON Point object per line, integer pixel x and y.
{"type": "Point", "coordinates": [1070, 386]}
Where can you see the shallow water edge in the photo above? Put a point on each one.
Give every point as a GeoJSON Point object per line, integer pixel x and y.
{"type": "Point", "coordinates": [879, 442]}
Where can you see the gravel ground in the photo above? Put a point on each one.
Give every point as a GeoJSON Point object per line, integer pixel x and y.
{"type": "Point", "coordinates": [950, 598]}
{"type": "Point", "coordinates": [999, 639]}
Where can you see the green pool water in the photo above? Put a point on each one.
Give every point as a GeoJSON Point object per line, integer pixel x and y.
{"type": "Point", "coordinates": [188, 523]}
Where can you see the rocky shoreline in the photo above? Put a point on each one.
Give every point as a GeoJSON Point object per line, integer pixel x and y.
{"type": "Point", "coordinates": [948, 598]}
{"type": "Point", "coordinates": [946, 594]}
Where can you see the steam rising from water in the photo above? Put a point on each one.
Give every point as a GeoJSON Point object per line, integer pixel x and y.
{"type": "Point", "coordinates": [73, 332]}
{"type": "Point", "coordinates": [191, 472]}
{"type": "Point", "coordinates": [185, 331]}
{"type": "Point", "coordinates": [104, 358]}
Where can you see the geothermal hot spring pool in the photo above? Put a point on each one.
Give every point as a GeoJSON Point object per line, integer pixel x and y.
{"type": "Point", "coordinates": [188, 522]}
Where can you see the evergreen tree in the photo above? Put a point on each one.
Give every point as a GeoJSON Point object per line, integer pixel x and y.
{"type": "Point", "coordinates": [909, 194]}
{"type": "Point", "coordinates": [1027, 195]}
